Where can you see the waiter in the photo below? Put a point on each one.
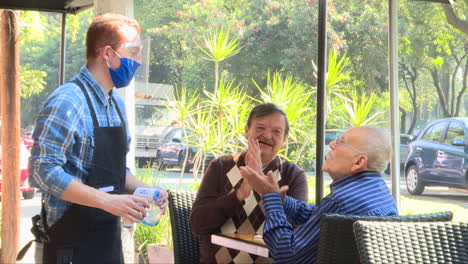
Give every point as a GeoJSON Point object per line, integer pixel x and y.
{"type": "Point", "coordinates": [78, 159]}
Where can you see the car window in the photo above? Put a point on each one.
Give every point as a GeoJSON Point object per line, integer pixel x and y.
{"type": "Point", "coordinates": [178, 134]}
{"type": "Point", "coordinates": [435, 132]}
{"type": "Point", "coordinates": [170, 135]}
{"type": "Point", "coordinates": [404, 140]}
{"type": "Point", "coordinates": [427, 134]}
{"type": "Point", "coordinates": [455, 130]}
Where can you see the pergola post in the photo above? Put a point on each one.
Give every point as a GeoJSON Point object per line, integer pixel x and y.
{"type": "Point", "coordinates": [10, 111]}
{"type": "Point", "coordinates": [63, 41]}
{"type": "Point", "coordinates": [394, 104]}
{"type": "Point", "coordinates": [321, 104]}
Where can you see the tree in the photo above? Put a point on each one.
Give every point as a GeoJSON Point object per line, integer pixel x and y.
{"type": "Point", "coordinates": [441, 51]}
{"type": "Point", "coordinates": [451, 8]}
{"type": "Point", "coordinates": [40, 49]}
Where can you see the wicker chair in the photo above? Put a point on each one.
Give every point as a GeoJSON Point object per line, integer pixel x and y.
{"type": "Point", "coordinates": [186, 245]}
{"type": "Point", "coordinates": [436, 242]}
{"type": "Point", "coordinates": [337, 242]}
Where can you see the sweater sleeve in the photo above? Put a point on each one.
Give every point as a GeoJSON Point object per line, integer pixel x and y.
{"type": "Point", "coordinates": [298, 187]}
{"type": "Point", "coordinates": [212, 208]}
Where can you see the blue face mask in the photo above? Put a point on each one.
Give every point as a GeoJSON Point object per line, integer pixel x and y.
{"type": "Point", "coordinates": [124, 74]}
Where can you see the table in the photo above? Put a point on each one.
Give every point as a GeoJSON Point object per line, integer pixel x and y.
{"type": "Point", "coordinates": [247, 243]}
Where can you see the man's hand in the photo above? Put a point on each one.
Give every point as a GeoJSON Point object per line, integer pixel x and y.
{"type": "Point", "coordinates": [261, 183]}
{"type": "Point", "coordinates": [162, 202]}
{"type": "Point", "coordinates": [127, 206]}
{"type": "Point", "coordinates": [253, 158]}
{"type": "Point", "coordinates": [244, 190]}
{"type": "Point", "coordinates": [283, 191]}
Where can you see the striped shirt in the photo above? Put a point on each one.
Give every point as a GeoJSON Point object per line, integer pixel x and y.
{"type": "Point", "coordinates": [64, 138]}
{"type": "Point", "coordinates": [364, 193]}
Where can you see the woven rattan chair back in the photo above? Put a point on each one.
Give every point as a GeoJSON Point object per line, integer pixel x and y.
{"type": "Point", "coordinates": [337, 243]}
{"type": "Point", "coordinates": [412, 243]}
{"type": "Point", "coordinates": [186, 245]}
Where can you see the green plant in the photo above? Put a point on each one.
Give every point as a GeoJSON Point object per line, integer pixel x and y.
{"type": "Point", "coordinates": [184, 107]}
{"type": "Point", "coordinates": [356, 111]}
{"type": "Point", "coordinates": [224, 105]}
{"type": "Point", "coordinates": [293, 97]}
{"type": "Point", "coordinates": [219, 46]}
{"type": "Point", "coordinates": [311, 185]}
{"type": "Point", "coordinates": [160, 234]}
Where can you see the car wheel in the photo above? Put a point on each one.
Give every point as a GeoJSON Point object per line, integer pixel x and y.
{"type": "Point", "coordinates": [29, 194]}
{"type": "Point", "coordinates": [413, 181]}
{"type": "Point", "coordinates": [160, 162]}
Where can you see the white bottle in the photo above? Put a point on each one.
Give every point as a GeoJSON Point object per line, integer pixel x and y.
{"type": "Point", "coordinates": [153, 212]}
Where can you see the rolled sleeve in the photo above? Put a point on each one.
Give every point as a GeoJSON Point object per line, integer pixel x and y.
{"type": "Point", "coordinates": [53, 137]}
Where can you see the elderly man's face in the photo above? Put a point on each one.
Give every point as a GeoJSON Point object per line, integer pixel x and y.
{"type": "Point", "coordinates": [344, 153]}
{"type": "Point", "coordinates": [269, 130]}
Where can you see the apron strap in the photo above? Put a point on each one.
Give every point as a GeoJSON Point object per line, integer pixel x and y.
{"type": "Point", "coordinates": [91, 108]}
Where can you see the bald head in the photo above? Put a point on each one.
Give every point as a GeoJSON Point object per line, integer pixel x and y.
{"type": "Point", "coordinates": [376, 144]}
{"type": "Point", "coordinates": [358, 149]}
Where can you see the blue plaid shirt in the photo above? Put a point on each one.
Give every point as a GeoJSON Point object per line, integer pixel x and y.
{"type": "Point", "coordinates": [363, 193]}
{"type": "Point", "coordinates": [64, 138]}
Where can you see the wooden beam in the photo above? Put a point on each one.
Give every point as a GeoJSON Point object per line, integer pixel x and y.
{"type": "Point", "coordinates": [10, 111]}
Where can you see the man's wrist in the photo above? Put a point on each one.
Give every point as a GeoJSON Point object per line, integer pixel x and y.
{"type": "Point", "coordinates": [240, 196]}
{"type": "Point", "coordinates": [272, 202]}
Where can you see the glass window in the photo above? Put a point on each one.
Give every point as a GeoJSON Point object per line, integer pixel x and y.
{"type": "Point", "coordinates": [427, 134]}
{"type": "Point", "coordinates": [178, 134]}
{"type": "Point", "coordinates": [455, 130]}
{"type": "Point", "coordinates": [151, 115]}
{"type": "Point", "coordinates": [435, 133]}
{"type": "Point", "coordinates": [170, 135]}
{"type": "Point", "coordinates": [405, 139]}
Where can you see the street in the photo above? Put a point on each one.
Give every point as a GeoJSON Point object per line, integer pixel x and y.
{"type": "Point", "coordinates": [170, 179]}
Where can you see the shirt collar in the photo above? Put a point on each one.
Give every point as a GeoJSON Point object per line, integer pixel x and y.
{"type": "Point", "coordinates": [346, 179]}
{"type": "Point", "coordinates": [94, 85]}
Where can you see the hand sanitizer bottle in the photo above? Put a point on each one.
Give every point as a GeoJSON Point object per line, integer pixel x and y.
{"type": "Point", "coordinates": [153, 212]}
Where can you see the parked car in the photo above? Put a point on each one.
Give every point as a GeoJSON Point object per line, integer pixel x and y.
{"type": "Point", "coordinates": [27, 190]}
{"type": "Point", "coordinates": [405, 139]}
{"type": "Point", "coordinates": [172, 151]}
{"type": "Point", "coordinates": [439, 156]}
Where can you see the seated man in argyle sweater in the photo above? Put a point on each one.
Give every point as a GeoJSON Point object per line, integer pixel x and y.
{"type": "Point", "coordinates": [226, 203]}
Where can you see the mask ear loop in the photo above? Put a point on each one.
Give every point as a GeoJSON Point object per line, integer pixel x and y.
{"type": "Point", "coordinates": [118, 55]}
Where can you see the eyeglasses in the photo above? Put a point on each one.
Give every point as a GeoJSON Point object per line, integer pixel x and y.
{"type": "Point", "coordinates": [134, 48]}
{"type": "Point", "coordinates": [339, 141]}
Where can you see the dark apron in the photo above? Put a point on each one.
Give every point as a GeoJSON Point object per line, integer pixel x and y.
{"type": "Point", "coordinates": [85, 234]}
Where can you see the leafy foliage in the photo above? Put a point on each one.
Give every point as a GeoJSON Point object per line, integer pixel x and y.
{"type": "Point", "coordinates": [357, 110]}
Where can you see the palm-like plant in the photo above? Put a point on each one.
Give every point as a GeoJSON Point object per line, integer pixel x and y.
{"type": "Point", "coordinates": [336, 71]}
{"type": "Point", "coordinates": [184, 106]}
{"type": "Point", "coordinates": [226, 101]}
{"type": "Point", "coordinates": [357, 110]}
{"type": "Point", "coordinates": [219, 46]}
{"type": "Point", "coordinates": [293, 97]}
{"type": "Point", "coordinates": [336, 74]}
{"type": "Point", "coordinates": [202, 137]}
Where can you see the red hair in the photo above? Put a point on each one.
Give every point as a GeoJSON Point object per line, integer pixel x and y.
{"type": "Point", "coordinates": [106, 30]}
